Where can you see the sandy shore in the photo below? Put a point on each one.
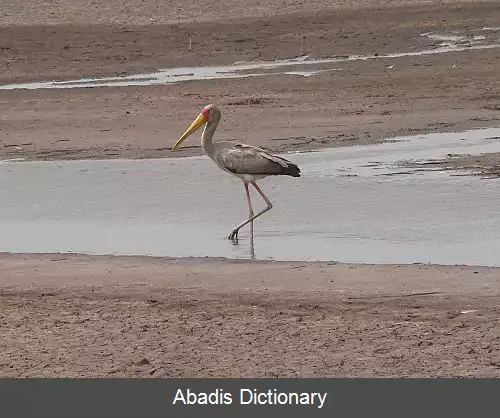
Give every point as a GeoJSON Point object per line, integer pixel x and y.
{"type": "Point", "coordinates": [363, 102]}
{"type": "Point", "coordinates": [71, 315]}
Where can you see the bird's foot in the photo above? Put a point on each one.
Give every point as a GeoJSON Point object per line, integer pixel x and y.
{"type": "Point", "coordinates": [233, 235]}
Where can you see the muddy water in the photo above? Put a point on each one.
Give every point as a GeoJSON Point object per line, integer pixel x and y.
{"type": "Point", "coordinates": [485, 38]}
{"type": "Point", "coordinates": [350, 206]}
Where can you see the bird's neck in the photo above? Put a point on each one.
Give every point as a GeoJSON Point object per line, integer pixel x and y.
{"type": "Point", "coordinates": [208, 134]}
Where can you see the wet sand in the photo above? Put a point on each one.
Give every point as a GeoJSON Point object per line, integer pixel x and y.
{"type": "Point", "coordinates": [364, 102]}
{"type": "Point", "coordinates": [69, 315]}
{"type": "Point", "coordinates": [485, 165]}
{"type": "Point", "coordinates": [64, 315]}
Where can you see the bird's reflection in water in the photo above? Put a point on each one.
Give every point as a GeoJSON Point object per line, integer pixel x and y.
{"type": "Point", "coordinates": [251, 248]}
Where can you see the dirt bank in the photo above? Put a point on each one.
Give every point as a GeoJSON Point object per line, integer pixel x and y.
{"type": "Point", "coordinates": [70, 315]}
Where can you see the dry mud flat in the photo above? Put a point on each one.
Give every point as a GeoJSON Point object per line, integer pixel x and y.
{"type": "Point", "coordinates": [69, 315]}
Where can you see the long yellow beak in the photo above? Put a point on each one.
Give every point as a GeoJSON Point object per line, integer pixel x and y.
{"type": "Point", "coordinates": [198, 123]}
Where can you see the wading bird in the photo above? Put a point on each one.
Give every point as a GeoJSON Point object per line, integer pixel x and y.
{"type": "Point", "coordinates": [243, 161]}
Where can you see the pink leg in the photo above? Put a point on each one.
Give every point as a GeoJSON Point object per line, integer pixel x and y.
{"type": "Point", "coordinates": [250, 214]}
{"type": "Point", "coordinates": [234, 234]}
{"type": "Point", "coordinates": [268, 202]}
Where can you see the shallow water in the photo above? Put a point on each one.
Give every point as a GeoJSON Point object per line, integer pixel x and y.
{"type": "Point", "coordinates": [344, 207]}
{"type": "Point", "coordinates": [450, 43]}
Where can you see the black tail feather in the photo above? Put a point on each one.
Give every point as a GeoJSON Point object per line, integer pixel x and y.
{"type": "Point", "coordinates": [291, 170]}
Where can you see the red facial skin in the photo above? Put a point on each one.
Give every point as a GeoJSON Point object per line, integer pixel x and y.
{"type": "Point", "coordinates": [205, 112]}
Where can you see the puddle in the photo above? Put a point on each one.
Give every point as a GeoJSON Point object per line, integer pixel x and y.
{"type": "Point", "coordinates": [187, 206]}
{"type": "Point", "coordinates": [454, 40]}
{"type": "Point", "coordinates": [182, 74]}
{"type": "Point", "coordinates": [450, 43]}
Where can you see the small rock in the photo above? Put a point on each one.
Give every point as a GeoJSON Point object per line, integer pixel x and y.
{"type": "Point", "coordinates": [143, 362]}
